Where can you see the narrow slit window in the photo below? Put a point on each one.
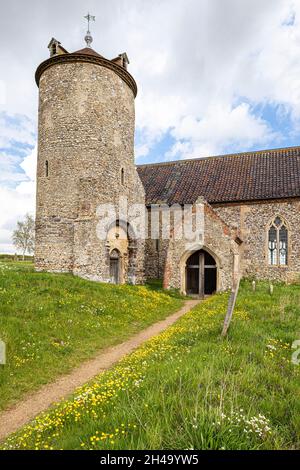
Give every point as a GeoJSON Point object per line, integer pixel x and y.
{"type": "Point", "coordinates": [47, 168]}
{"type": "Point", "coordinates": [122, 176]}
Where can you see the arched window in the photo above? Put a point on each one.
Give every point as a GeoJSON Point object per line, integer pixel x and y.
{"type": "Point", "coordinates": [47, 168]}
{"type": "Point", "coordinates": [278, 243]}
{"type": "Point", "coordinates": [122, 176]}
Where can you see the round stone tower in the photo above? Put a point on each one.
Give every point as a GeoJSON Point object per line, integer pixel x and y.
{"type": "Point", "coordinates": [85, 160]}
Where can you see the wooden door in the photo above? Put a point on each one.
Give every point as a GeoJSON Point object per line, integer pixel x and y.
{"type": "Point", "coordinates": [114, 271]}
{"type": "Point", "coordinates": [192, 280]}
{"type": "Point", "coordinates": [114, 267]}
{"type": "Point", "coordinates": [201, 275]}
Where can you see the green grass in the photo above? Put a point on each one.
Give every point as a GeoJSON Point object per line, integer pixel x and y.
{"type": "Point", "coordinates": [51, 323]}
{"type": "Point", "coordinates": [190, 389]}
{"type": "Point", "coordinates": [7, 257]}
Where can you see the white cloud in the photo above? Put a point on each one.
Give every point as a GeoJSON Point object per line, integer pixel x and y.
{"type": "Point", "coordinates": [222, 128]}
{"type": "Point", "coordinates": [29, 164]}
{"type": "Point", "coordinates": [17, 174]}
{"type": "Point", "coordinates": [273, 74]}
{"type": "Point", "coordinates": [2, 93]}
{"type": "Point", "coordinates": [15, 203]}
{"type": "Point", "coordinates": [220, 52]}
{"type": "Point", "coordinates": [187, 56]}
{"type": "Point", "coordinates": [16, 129]}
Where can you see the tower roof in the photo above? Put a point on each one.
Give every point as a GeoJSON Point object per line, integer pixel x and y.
{"type": "Point", "coordinates": [88, 55]}
{"type": "Point", "coordinates": [88, 51]}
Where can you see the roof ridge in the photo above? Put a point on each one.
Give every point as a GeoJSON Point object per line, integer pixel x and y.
{"type": "Point", "coordinates": [254, 152]}
{"type": "Point", "coordinates": [88, 51]}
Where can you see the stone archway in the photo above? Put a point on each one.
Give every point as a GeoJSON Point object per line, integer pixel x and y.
{"type": "Point", "coordinates": [201, 274]}
{"type": "Point", "coordinates": [121, 238]}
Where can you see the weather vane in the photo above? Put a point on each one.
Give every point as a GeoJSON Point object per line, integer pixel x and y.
{"type": "Point", "coordinates": [88, 38]}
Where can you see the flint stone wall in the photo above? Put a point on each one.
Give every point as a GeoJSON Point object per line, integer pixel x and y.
{"type": "Point", "coordinates": [169, 257]}
{"type": "Point", "coordinates": [86, 134]}
{"type": "Point", "coordinates": [252, 219]}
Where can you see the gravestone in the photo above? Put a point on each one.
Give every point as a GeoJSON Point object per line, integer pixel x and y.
{"type": "Point", "coordinates": [2, 352]}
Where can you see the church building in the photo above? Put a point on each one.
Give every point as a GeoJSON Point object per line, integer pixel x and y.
{"type": "Point", "coordinates": [248, 203]}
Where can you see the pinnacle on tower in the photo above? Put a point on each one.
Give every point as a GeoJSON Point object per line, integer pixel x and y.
{"type": "Point", "coordinates": [88, 37]}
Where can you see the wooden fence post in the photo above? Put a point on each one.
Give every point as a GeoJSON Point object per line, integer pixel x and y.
{"type": "Point", "coordinates": [231, 305]}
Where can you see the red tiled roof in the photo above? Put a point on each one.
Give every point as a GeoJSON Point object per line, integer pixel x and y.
{"type": "Point", "coordinates": [87, 51]}
{"type": "Point", "coordinates": [268, 174]}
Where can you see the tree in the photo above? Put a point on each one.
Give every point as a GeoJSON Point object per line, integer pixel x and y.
{"type": "Point", "coordinates": [23, 236]}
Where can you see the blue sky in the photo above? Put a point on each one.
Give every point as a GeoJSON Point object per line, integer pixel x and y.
{"type": "Point", "coordinates": [16, 143]}
{"type": "Point", "coordinates": [213, 78]}
{"type": "Point", "coordinates": [278, 120]}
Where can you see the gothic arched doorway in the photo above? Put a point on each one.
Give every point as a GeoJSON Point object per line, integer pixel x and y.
{"type": "Point", "coordinates": [201, 274]}
{"type": "Point", "coordinates": [114, 266]}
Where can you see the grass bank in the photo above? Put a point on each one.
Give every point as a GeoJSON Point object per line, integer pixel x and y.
{"type": "Point", "coordinates": [50, 323]}
{"type": "Point", "coordinates": [189, 389]}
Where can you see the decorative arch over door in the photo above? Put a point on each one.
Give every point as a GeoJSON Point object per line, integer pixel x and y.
{"type": "Point", "coordinates": [121, 238]}
{"type": "Point", "coordinates": [201, 274]}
